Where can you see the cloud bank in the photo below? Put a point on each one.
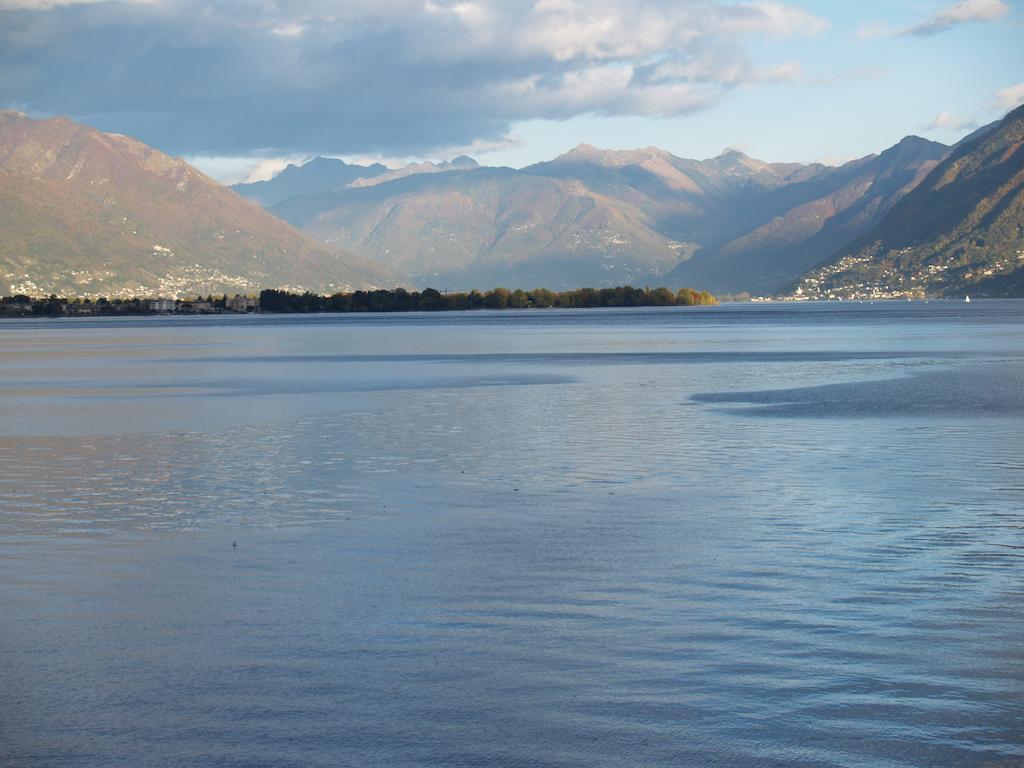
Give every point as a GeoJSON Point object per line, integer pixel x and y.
{"type": "Point", "coordinates": [371, 76]}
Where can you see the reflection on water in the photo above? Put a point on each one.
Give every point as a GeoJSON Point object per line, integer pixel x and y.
{"type": "Point", "coordinates": [545, 539]}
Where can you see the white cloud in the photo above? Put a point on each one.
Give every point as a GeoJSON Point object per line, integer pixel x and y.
{"type": "Point", "coordinates": [1010, 98]}
{"type": "Point", "coordinates": [963, 12]}
{"type": "Point", "coordinates": [482, 147]}
{"type": "Point", "coordinates": [947, 121]}
{"type": "Point", "coordinates": [291, 29]}
{"type": "Point", "coordinates": [778, 19]}
{"type": "Point", "coordinates": [231, 170]}
{"type": "Point", "coordinates": [608, 30]}
{"type": "Point", "coordinates": [606, 90]}
{"type": "Point", "coordinates": [875, 29]}
{"type": "Point", "coordinates": [788, 72]}
{"type": "Point", "coordinates": [268, 168]}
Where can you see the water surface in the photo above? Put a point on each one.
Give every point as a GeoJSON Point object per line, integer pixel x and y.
{"type": "Point", "coordinates": [749, 535]}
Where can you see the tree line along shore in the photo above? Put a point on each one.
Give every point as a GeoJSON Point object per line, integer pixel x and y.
{"type": "Point", "coordinates": [397, 300]}
{"type": "Point", "coordinates": [431, 300]}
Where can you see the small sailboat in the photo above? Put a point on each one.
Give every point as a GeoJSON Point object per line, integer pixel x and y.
{"type": "Point", "coordinates": [967, 299]}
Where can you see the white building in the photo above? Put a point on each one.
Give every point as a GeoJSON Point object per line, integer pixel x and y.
{"type": "Point", "coordinates": [160, 305]}
{"type": "Point", "coordinates": [243, 304]}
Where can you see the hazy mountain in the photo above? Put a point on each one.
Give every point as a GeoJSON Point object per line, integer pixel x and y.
{"type": "Point", "coordinates": [91, 213]}
{"type": "Point", "coordinates": [325, 174]}
{"type": "Point", "coordinates": [688, 201]}
{"type": "Point", "coordinates": [489, 226]}
{"type": "Point", "coordinates": [593, 216]}
{"type": "Point", "coordinates": [321, 174]}
{"type": "Point", "coordinates": [961, 230]}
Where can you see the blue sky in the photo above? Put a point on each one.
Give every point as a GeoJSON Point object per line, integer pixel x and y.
{"type": "Point", "coordinates": [241, 87]}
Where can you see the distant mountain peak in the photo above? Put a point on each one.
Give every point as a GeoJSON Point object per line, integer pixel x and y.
{"type": "Point", "coordinates": [912, 147]}
{"type": "Point", "coordinates": [731, 153]}
{"type": "Point", "coordinates": [579, 153]}
{"type": "Point", "coordinates": [463, 161]}
{"type": "Point", "coordinates": [321, 174]}
{"type": "Point", "coordinates": [611, 158]}
{"type": "Point", "coordinates": [733, 161]}
{"type": "Point", "coordinates": [916, 141]}
{"type": "Point", "coordinates": [460, 163]}
{"type": "Point", "coordinates": [326, 161]}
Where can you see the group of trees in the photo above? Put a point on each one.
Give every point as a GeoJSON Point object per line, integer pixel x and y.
{"type": "Point", "coordinates": [431, 300]}
{"type": "Point", "coordinates": [19, 304]}
{"type": "Point", "coordinates": [398, 300]}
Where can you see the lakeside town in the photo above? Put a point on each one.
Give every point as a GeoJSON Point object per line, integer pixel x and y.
{"type": "Point", "coordinates": [889, 282]}
{"type": "Point", "coordinates": [21, 305]}
{"type": "Point", "coordinates": [274, 301]}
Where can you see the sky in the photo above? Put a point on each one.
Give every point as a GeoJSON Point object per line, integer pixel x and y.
{"type": "Point", "coordinates": [242, 87]}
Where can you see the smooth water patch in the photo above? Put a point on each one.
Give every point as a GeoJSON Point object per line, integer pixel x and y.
{"type": "Point", "coordinates": [968, 392]}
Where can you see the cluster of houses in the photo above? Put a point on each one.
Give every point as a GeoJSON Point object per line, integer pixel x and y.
{"type": "Point", "coordinates": [239, 304]}
{"type": "Point", "coordinates": [22, 306]}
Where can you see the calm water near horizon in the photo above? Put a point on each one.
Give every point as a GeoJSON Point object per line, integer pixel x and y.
{"type": "Point", "coordinates": [750, 535]}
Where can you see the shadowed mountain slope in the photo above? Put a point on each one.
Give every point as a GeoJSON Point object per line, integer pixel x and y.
{"type": "Point", "coordinates": [961, 230]}
{"type": "Point", "coordinates": [807, 221]}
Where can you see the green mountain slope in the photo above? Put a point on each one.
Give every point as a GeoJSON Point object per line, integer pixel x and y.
{"type": "Point", "coordinates": [89, 213]}
{"type": "Point", "coordinates": [961, 230]}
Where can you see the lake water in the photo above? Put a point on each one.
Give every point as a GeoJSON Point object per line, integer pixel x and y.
{"type": "Point", "coordinates": [785, 535]}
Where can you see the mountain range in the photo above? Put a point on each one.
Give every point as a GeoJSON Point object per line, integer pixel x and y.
{"type": "Point", "coordinates": [91, 213]}
{"type": "Point", "coordinates": [603, 217]}
{"type": "Point", "coordinates": [84, 212]}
